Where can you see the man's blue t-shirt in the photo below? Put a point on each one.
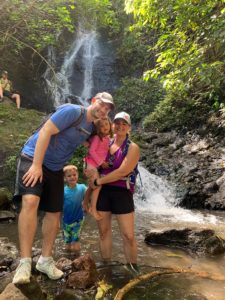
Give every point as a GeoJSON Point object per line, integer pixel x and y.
{"type": "Point", "coordinates": [63, 144]}
{"type": "Point", "coordinates": [72, 209]}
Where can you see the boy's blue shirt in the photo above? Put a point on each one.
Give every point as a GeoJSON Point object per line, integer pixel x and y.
{"type": "Point", "coordinates": [73, 197]}
{"type": "Point", "coordinates": [63, 144]}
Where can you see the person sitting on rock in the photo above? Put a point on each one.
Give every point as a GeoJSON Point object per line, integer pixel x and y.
{"type": "Point", "coordinates": [6, 85]}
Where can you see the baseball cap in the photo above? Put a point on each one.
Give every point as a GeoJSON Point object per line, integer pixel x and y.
{"type": "Point", "coordinates": [123, 115]}
{"type": "Point", "coordinates": [106, 98]}
{"type": "Point", "coordinates": [5, 72]}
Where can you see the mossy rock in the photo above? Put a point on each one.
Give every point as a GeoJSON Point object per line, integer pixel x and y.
{"type": "Point", "coordinates": [5, 196]}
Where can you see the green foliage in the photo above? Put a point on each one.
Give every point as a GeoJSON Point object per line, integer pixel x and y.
{"type": "Point", "coordinates": [138, 97]}
{"type": "Point", "coordinates": [77, 160]}
{"type": "Point", "coordinates": [189, 50]}
{"type": "Point", "coordinates": [133, 52]}
{"type": "Point", "coordinates": [34, 23]}
{"type": "Point", "coordinates": [175, 112]}
{"type": "Point", "coordinates": [100, 14]}
{"type": "Point", "coordinates": [16, 127]}
{"type": "Point", "coordinates": [10, 165]}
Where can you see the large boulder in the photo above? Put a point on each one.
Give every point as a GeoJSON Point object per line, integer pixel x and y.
{"type": "Point", "coordinates": [84, 272]}
{"type": "Point", "coordinates": [198, 241]}
{"type": "Point", "coordinates": [4, 198]}
{"type": "Point", "coordinates": [28, 291]}
{"type": "Point", "coordinates": [6, 215]}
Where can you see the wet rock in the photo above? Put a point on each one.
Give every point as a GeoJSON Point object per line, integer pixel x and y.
{"type": "Point", "coordinates": [196, 147]}
{"type": "Point", "coordinates": [64, 264]}
{"type": "Point", "coordinates": [6, 266]}
{"type": "Point", "coordinates": [193, 199]}
{"type": "Point", "coordinates": [81, 279]}
{"type": "Point", "coordinates": [84, 272]}
{"type": "Point", "coordinates": [11, 292]}
{"type": "Point", "coordinates": [4, 198]}
{"type": "Point", "coordinates": [8, 249]}
{"type": "Point", "coordinates": [84, 262]}
{"type": "Point", "coordinates": [211, 187]}
{"type": "Point", "coordinates": [31, 290]}
{"type": "Point", "coordinates": [69, 294]}
{"type": "Point", "coordinates": [197, 241]}
{"type": "Point", "coordinates": [6, 215]}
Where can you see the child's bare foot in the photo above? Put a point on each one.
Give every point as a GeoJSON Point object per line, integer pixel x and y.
{"type": "Point", "coordinates": [97, 215]}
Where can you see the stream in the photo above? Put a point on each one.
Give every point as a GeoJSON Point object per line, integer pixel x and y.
{"type": "Point", "coordinates": [155, 210]}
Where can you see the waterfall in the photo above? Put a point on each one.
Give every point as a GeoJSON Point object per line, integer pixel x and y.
{"type": "Point", "coordinates": [67, 85]}
{"type": "Point", "coordinates": [157, 197]}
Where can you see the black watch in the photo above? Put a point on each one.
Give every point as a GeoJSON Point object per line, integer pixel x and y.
{"type": "Point", "coordinates": [95, 182]}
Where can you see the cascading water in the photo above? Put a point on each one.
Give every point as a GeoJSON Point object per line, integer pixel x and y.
{"type": "Point", "coordinates": [85, 49]}
{"type": "Point", "coordinates": [88, 67]}
{"type": "Point", "coordinates": [155, 197]}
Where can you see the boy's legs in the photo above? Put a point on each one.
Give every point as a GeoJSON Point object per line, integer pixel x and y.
{"type": "Point", "coordinates": [75, 247]}
{"type": "Point", "coordinates": [76, 230]}
{"type": "Point", "coordinates": [67, 236]}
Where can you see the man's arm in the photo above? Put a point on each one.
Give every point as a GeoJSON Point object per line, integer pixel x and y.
{"type": "Point", "coordinates": [35, 171]}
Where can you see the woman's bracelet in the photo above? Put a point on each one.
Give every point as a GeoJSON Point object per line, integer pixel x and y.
{"type": "Point", "coordinates": [95, 182]}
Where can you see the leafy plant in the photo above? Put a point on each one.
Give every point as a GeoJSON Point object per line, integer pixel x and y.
{"type": "Point", "coordinates": [138, 97]}
{"type": "Point", "coordinates": [189, 50]}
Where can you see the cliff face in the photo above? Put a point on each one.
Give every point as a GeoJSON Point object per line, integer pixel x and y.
{"type": "Point", "coordinates": [193, 160]}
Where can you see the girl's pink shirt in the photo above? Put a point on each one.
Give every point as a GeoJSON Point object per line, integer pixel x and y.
{"type": "Point", "coordinates": [97, 151]}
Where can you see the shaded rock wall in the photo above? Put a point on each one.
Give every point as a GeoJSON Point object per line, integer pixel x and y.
{"type": "Point", "coordinates": [194, 161]}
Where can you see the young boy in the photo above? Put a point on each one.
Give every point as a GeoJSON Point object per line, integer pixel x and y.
{"type": "Point", "coordinates": [72, 211]}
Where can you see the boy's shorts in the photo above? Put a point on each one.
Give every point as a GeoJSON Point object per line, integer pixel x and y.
{"type": "Point", "coordinates": [50, 190]}
{"type": "Point", "coordinates": [115, 199]}
{"type": "Point", "coordinates": [71, 232]}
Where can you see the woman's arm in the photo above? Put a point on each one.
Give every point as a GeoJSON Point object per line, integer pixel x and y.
{"type": "Point", "coordinates": [127, 166]}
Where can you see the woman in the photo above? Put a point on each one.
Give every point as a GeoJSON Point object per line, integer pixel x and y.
{"type": "Point", "coordinates": [116, 196]}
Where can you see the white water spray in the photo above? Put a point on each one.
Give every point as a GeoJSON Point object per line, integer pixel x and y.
{"type": "Point", "coordinates": [60, 86]}
{"type": "Point", "coordinates": [157, 197]}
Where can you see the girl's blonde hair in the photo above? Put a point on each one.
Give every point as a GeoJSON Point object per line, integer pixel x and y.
{"type": "Point", "coordinates": [97, 125]}
{"type": "Point", "coordinates": [69, 168]}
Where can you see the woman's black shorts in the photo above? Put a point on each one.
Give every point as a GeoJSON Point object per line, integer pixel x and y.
{"type": "Point", "coordinates": [115, 199]}
{"type": "Point", "coordinates": [50, 190]}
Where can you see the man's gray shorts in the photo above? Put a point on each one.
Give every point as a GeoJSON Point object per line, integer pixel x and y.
{"type": "Point", "coordinates": [50, 190]}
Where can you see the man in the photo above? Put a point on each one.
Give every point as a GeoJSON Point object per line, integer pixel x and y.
{"type": "Point", "coordinates": [40, 178]}
{"type": "Point", "coordinates": [6, 85]}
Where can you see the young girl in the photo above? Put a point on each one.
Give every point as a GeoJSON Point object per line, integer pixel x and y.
{"type": "Point", "coordinates": [98, 149]}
